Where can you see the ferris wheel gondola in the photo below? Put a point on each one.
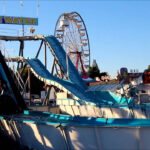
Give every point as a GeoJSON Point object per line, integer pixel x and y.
{"type": "Point", "coordinates": [71, 32]}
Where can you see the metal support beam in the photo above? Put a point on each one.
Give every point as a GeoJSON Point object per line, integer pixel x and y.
{"type": "Point", "coordinates": [45, 102]}
{"type": "Point", "coordinates": [21, 54]}
{"type": "Point", "coordinates": [39, 49]}
{"type": "Point", "coordinates": [29, 86]}
{"type": "Point", "coordinates": [21, 48]}
{"type": "Point", "coordinates": [53, 66]}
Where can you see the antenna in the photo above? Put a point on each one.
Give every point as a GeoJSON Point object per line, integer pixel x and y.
{"type": "Point", "coordinates": [38, 6]}
{"type": "Point", "coordinates": [21, 6]}
{"type": "Point", "coordinates": [4, 9]}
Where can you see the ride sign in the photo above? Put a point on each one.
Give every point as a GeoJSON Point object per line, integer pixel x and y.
{"type": "Point", "coordinates": [18, 20]}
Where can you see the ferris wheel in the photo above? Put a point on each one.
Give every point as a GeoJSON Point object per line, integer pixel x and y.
{"type": "Point", "coordinates": [71, 32]}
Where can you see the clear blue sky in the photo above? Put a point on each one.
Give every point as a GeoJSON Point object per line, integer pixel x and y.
{"type": "Point", "coordinates": [119, 31]}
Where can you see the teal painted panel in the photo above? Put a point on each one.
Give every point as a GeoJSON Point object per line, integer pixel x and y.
{"type": "Point", "coordinates": [66, 120]}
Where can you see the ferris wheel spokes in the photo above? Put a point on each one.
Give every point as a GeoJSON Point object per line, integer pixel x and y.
{"type": "Point", "coordinates": [70, 30]}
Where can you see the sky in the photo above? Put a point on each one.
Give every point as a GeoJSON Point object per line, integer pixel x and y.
{"type": "Point", "coordinates": [118, 30]}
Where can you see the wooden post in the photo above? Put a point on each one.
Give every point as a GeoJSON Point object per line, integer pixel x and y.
{"type": "Point", "coordinates": [29, 86]}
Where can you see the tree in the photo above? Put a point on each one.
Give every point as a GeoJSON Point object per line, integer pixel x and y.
{"type": "Point", "coordinates": [148, 68]}
{"type": "Point", "coordinates": [94, 70]}
{"type": "Point", "coordinates": [103, 74]}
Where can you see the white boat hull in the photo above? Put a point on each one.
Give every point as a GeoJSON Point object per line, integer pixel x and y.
{"type": "Point", "coordinates": [54, 136]}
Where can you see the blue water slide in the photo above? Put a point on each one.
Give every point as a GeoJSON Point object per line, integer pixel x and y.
{"type": "Point", "coordinates": [74, 75]}
{"type": "Point", "coordinates": [66, 65]}
{"type": "Point", "coordinates": [76, 85]}
{"type": "Point", "coordinates": [44, 75]}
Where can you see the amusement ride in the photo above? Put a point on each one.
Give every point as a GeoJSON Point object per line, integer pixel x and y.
{"type": "Point", "coordinates": [71, 32]}
{"type": "Point", "coordinates": [102, 116]}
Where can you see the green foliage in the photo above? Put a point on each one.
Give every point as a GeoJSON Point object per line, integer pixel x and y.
{"type": "Point", "coordinates": [103, 74]}
{"type": "Point", "coordinates": [148, 68]}
{"type": "Point", "coordinates": [94, 72]}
